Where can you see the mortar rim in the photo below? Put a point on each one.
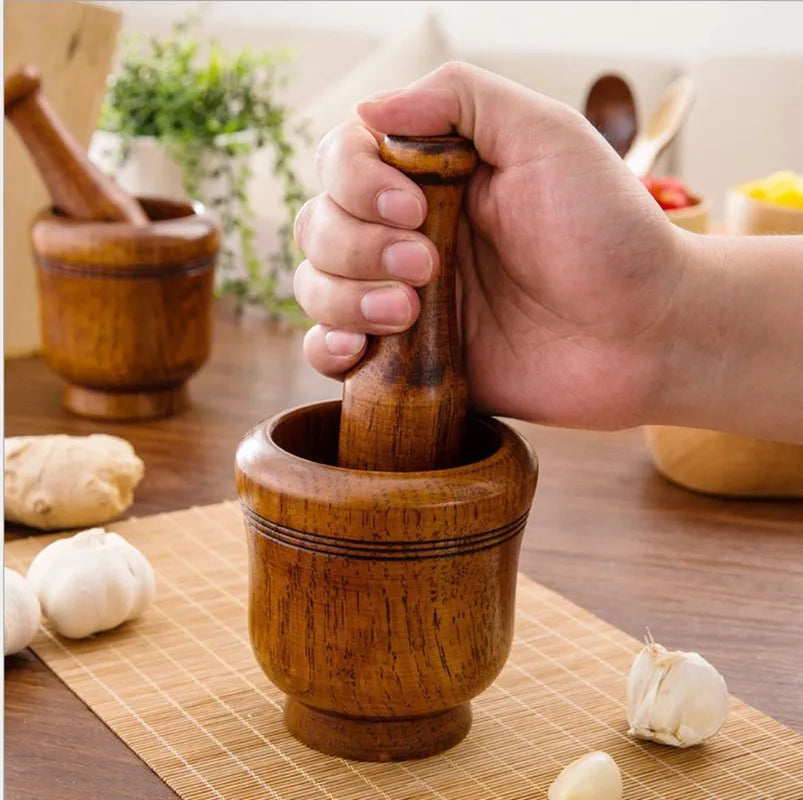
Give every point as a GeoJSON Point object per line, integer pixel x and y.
{"type": "Point", "coordinates": [509, 438]}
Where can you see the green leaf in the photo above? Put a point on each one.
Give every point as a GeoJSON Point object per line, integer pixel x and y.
{"type": "Point", "coordinates": [187, 93]}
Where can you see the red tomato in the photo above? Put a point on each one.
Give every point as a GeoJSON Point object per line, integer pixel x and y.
{"type": "Point", "coordinates": [672, 198]}
{"type": "Point", "coordinates": [670, 192]}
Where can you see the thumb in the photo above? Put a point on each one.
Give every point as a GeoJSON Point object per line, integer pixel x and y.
{"type": "Point", "coordinates": [503, 118]}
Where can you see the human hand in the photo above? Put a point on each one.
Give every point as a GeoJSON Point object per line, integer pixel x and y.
{"type": "Point", "coordinates": [568, 268]}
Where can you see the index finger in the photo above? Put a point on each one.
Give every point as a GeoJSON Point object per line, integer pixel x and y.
{"type": "Point", "coordinates": [356, 178]}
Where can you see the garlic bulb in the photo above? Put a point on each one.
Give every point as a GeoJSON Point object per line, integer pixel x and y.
{"type": "Point", "coordinates": [21, 612]}
{"type": "Point", "coordinates": [91, 582]}
{"type": "Point", "coordinates": [64, 481]}
{"type": "Point", "coordinates": [674, 697]}
{"type": "Point", "coordinates": [593, 777]}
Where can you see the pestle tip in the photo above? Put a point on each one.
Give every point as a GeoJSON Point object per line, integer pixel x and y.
{"type": "Point", "coordinates": [20, 84]}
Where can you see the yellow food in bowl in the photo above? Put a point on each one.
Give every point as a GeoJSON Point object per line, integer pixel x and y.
{"type": "Point", "coordinates": [781, 188]}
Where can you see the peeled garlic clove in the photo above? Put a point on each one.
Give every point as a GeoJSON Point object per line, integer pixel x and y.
{"type": "Point", "coordinates": [592, 777]}
{"type": "Point", "coordinates": [21, 612]}
{"type": "Point", "coordinates": [675, 698]}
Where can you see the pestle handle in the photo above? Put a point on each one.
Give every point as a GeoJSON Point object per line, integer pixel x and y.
{"type": "Point", "coordinates": [76, 186]}
{"type": "Point", "coordinates": [404, 405]}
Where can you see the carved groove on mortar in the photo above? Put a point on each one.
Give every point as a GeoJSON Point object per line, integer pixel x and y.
{"type": "Point", "coordinates": [383, 550]}
{"type": "Point", "coordinates": [116, 272]}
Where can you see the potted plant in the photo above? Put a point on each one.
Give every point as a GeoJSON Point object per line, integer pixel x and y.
{"type": "Point", "coordinates": [196, 121]}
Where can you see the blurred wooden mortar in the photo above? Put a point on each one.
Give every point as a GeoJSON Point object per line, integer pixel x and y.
{"type": "Point", "coordinates": [125, 284]}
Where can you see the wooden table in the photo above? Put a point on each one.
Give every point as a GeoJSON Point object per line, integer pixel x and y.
{"type": "Point", "coordinates": [718, 576]}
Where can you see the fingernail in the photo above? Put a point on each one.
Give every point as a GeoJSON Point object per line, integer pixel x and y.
{"type": "Point", "coordinates": [408, 261]}
{"type": "Point", "coordinates": [344, 343]}
{"type": "Point", "coordinates": [386, 306]}
{"type": "Point", "coordinates": [400, 208]}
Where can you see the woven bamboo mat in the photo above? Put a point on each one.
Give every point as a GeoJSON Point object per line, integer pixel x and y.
{"type": "Point", "coordinates": [181, 688]}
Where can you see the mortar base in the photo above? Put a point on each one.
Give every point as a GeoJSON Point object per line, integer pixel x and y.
{"type": "Point", "coordinates": [365, 739]}
{"type": "Point", "coordinates": [98, 404]}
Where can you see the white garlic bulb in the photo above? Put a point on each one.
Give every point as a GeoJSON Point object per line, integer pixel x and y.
{"type": "Point", "coordinates": [91, 582]}
{"type": "Point", "coordinates": [593, 777]}
{"type": "Point", "coordinates": [21, 612]}
{"type": "Point", "coordinates": [675, 698]}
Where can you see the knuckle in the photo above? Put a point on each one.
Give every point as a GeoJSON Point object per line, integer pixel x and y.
{"type": "Point", "coordinates": [323, 150]}
{"type": "Point", "coordinates": [301, 282]}
{"type": "Point", "coordinates": [329, 147]}
{"type": "Point", "coordinates": [316, 293]}
{"type": "Point", "coordinates": [301, 222]}
{"type": "Point", "coordinates": [454, 70]}
{"type": "Point", "coordinates": [311, 342]}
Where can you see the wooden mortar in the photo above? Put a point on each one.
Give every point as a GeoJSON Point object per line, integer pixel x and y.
{"type": "Point", "coordinates": [126, 311]}
{"type": "Point", "coordinates": [382, 601]}
{"type": "Point", "coordinates": [125, 284]}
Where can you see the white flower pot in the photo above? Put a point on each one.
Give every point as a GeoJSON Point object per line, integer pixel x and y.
{"type": "Point", "coordinates": [151, 170]}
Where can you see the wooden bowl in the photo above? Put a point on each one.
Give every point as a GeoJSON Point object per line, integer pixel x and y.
{"type": "Point", "coordinates": [725, 464]}
{"type": "Point", "coordinates": [748, 216]}
{"type": "Point", "coordinates": [693, 218]}
{"type": "Point", "coordinates": [381, 603]}
{"type": "Point", "coordinates": [126, 312]}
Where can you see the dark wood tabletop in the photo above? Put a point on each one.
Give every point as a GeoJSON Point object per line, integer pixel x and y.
{"type": "Point", "coordinates": [722, 577]}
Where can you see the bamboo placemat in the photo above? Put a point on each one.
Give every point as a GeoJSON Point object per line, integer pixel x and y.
{"type": "Point", "coordinates": [181, 688]}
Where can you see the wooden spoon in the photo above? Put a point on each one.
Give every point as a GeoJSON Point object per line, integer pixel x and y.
{"type": "Point", "coordinates": [405, 404]}
{"type": "Point", "coordinates": [610, 108]}
{"type": "Point", "coordinates": [662, 127]}
{"type": "Point", "coordinates": [76, 186]}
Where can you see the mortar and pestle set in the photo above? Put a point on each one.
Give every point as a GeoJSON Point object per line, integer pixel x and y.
{"type": "Point", "coordinates": [125, 284]}
{"type": "Point", "coordinates": [384, 531]}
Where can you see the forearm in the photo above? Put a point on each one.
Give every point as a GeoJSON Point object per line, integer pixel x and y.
{"type": "Point", "coordinates": [735, 362]}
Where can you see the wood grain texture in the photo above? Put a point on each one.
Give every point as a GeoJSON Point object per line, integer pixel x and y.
{"type": "Point", "coordinates": [72, 45]}
{"type": "Point", "coordinates": [381, 603]}
{"type": "Point", "coordinates": [126, 311]}
{"type": "Point", "coordinates": [77, 187]}
{"type": "Point", "coordinates": [720, 576]}
{"type": "Point", "coordinates": [382, 592]}
{"type": "Point", "coordinates": [405, 403]}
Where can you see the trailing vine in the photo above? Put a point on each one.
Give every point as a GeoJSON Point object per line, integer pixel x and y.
{"type": "Point", "coordinates": [211, 109]}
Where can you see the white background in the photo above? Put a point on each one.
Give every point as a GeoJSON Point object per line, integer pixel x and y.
{"type": "Point", "coordinates": [661, 29]}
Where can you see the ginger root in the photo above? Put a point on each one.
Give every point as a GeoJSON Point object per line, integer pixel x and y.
{"type": "Point", "coordinates": [54, 482]}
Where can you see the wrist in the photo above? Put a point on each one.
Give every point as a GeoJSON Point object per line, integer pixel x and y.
{"type": "Point", "coordinates": [694, 336]}
{"type": "Point", "coordinates": [734, 332]}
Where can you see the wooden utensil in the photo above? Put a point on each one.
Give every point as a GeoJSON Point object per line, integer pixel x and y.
{"type": "Point", "coordinates": [610, 108]}
{"type": "Point", "coordinates": [404, 405]}
{"type": "Point", "coordinates": [380, 603]}
{"type": "Point", "coordinates": [381, 600]}
{"type": "Point", "coordinates": [78, 188]}
{"type": "Point", "coordinates": [126, 310]}
{"type": "Point", "coordinates": [125, 288]}
{"type": "Point", "coordinates": [662, 126]}
{"type": "Point", "coordinates": [713, 462]}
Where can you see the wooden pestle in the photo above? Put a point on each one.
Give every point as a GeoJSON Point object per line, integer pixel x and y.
{"type": "Point", "coordinates": [404, 405]}
{"type": "Point", "coordinates": [77, 187]}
